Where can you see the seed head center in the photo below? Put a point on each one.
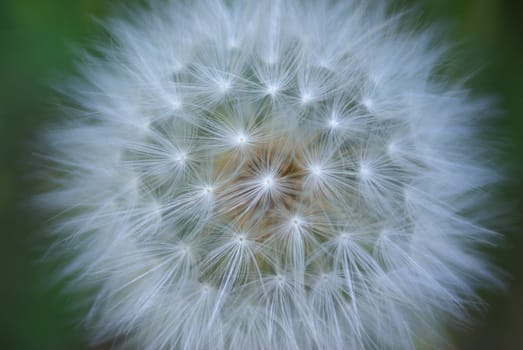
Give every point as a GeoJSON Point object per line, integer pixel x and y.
{"type": "Point", "coordinates": [263, 185]}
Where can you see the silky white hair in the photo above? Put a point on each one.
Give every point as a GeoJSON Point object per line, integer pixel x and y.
{"type": "Point", "coordinates": [270, 175]}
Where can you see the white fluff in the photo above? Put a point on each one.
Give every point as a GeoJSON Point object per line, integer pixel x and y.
{"type": "Point", "coordinates": [270, 175]}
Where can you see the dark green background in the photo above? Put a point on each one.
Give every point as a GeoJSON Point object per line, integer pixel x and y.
{"type": "Point", "coordinates": [37, 38]}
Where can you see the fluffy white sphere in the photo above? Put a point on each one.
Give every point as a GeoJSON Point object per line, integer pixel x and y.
{"type": "Point", "coordinates": [270, 175]}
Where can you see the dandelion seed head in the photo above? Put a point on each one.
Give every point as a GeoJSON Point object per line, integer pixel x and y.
{"type": "Point", "coordinates": [270, 175]}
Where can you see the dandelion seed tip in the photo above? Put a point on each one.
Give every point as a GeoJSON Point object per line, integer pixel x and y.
{"type": "Point", "coordinates": [272, 90]}
{"type": "Point", "coordinates": [176, 104]}
{"type": "Point", "coordinates": [343, 235]}
{"type": "Point", "coordinates": [241, 238]}
{"type": "Point", "coordinates": [368, 103]}
{"type": "Point", "coordinates": [316, 170]}
{"type": "Point", "coordinates": [365, 171]}
{"type": "Point", "coordinates": [333, 123]}
{"type": "Point", "coordinates": [296, 221]}
{"type": "Point", "coordinates": [180, 157]}
{"type": "Point", "coordinates": [324, 63]}
{"type": "Point", "coordinates": [268, 181]}
{"type": "Point", "coordinates": [392, 147]}
{"type": "Point", "coordinates": [224, 85]}
{"type": "Point", "coordinates": [177, 67]}
{"type": "Point", "coordinates": [233, 44]}
{"type": "Point", "coordinates": [242, 139]}
{"type": "Point", "coordinates": [306, 98]}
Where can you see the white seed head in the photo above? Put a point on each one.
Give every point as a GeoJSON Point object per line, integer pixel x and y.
{"type": "Point", "coordinates": [270, 175]}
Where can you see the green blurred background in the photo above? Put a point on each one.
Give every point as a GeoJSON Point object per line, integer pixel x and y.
{"type": "Point", "coordinates": [37, 38]}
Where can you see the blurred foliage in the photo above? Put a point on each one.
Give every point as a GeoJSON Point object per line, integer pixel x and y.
{"type": "Point", "coordinates": [37, 39]}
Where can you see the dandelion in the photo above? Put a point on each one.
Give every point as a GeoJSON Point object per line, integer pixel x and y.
{"type": "Point", "coordinates": [270, 175]}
